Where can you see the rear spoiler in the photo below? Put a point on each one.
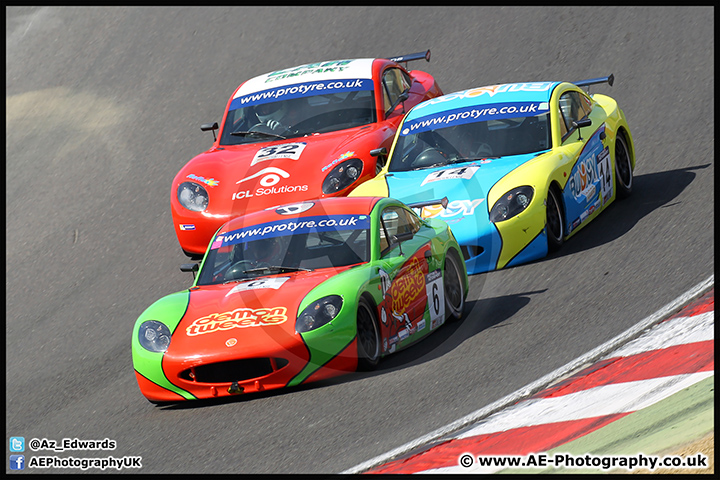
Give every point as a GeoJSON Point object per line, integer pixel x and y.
{"type": "Point", "coordinates": [411, 57]}
{"type": "Point", "coordinates": [594, 81]}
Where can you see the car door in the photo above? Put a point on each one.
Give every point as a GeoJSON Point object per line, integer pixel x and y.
{"type": "Point", "coordinates": [406, 280]}
{"type": "Point", "coordinates": [590, 185]}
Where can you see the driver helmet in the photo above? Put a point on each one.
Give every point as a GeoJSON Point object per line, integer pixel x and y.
{"type": "Point", "coordinates": [484, 151]}
{"type": "Point", "coordinates": [271, 111]}
{"type": "Point", "coordinates": [265, 250]}
{"type": "Point", "coordinates": [429, 157]}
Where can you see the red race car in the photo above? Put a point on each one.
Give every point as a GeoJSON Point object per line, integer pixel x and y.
{"type": "Point", "coordinates": [311, 131]}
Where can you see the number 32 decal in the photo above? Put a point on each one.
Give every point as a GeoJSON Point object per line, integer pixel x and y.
{"type": "Point", "coordinates": [286, 150]}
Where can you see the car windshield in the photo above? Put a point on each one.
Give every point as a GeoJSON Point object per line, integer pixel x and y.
{"type": "Point", "coordinates": [471, 141]}
{"type": "Point", "coordinates": [287, 246]}
{"type": "Point", "coordinates": [298, 117]}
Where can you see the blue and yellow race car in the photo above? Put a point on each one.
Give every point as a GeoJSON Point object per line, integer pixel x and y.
{"type": "Point", "coordinates": [523, 165]}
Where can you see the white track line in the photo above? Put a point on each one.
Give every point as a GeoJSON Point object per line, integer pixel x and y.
{"type": "Point", "coordinates": [678, 331]}
{"type": "Point", "coordinates": [534, 387]}
{"type": "Point", "coordinates": [626, 397]}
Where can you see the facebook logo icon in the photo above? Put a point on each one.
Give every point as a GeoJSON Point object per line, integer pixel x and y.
{"type": "Point", "coordinates": [17, 462]}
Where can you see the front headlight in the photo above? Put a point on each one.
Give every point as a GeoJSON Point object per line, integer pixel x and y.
{"type": "Point", "coordinates": [154, 336]}
{"type": "Point", "coordinates": [512, 203]}
{"type": "Point", "coordinates": [318, 313]}
{"type": "Point", "coordinates": [192, 196]}
{"type": "Point", "coordinates": [342, 175]}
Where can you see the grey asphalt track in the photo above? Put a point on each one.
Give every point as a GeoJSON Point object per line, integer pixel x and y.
{"type": "Point", "coordinates": [103, 107]}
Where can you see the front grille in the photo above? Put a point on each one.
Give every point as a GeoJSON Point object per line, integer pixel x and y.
{"type": "Point", "coordinates": [470, 251]}
{"type": "Point", "coordinates": [234, 370]}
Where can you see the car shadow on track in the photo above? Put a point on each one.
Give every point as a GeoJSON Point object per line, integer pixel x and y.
{"type": "Point", "coordinates": [650, 192]}
{"type": "Point", "coordinates": [480, 315]}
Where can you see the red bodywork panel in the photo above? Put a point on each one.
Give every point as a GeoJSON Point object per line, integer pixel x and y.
{"type": "Point", "coordinates": [239, 181]}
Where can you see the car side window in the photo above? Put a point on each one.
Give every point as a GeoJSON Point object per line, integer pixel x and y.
{"type": "Point", "coordinates": [396, 221]}
{"type": "Point", "coordinates": [573, 107]}
{"type": "Point", "coordinates": [414, 221]}
{"type": "Point", "coordinates": [395, 82]}
{"type": "Point", "coordinates": [586, 105]}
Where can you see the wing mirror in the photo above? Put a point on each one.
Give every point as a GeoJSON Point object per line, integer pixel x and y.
{"type": "Point", "coordinates": [190, 268]}
{"type": "Point", "coordinates": [210, 126]}
{"type": "Point", "coordinates": [381, 154]}
{"type": "Point", "coordinates": [398, 239]}
{"type": "Point", "coordinates": [585, 122]}
{"type": "Point", "coordinates": [401, 237]}
{"type": "Point", "coordinates": [401, 98]}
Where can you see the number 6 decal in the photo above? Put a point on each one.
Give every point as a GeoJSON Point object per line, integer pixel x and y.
{"type": "Point", "coordinates": [436, 298]}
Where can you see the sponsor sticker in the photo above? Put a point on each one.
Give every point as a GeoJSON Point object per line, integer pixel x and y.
{"type": "Point", "coordinates": [269, 178]}
{"type": "Point", "coordinates": [299, 90]}
{"type": "Point", "coordinates": [186, 226]}
{"type": "Point", "coordinates": [408, 287]}
{"type": "Point", "coordinates": [292, 227]}
{"type": "Point", "coordinates": [312, 68]}
{"type": "Point", "coordinates": [210, 182]}
{"type": "Point", "coordinates": [585, 176]}
{"type": "Point", "coordinates": [421, 325]}
{"type": "Point", "coordinates": [454, 208]}
{"type": "Point", "coordinates": [259, 192]}
{"type": "Point", "coordinates": [490, 91]}
{"type": "Point", "coordinates": [238, 318]}
{"type": "Point", "coordinates": [479, 113]}
{"type": "Point", "coordinates": [217, 243]}
{"type": "Point", "coordinates": [344, 156]}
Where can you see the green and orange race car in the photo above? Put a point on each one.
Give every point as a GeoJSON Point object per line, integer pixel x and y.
{"type": "Point", "coordinates": [297, 293]}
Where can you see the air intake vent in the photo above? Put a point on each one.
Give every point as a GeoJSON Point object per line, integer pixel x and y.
{"type": "Point", "coordinates": [235, 370]}
{"type": "Point", "coordinates": [470, 251]}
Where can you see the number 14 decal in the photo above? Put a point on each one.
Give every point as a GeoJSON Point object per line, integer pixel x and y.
{"type": "Point", "coordinates": [286, 150]}
{"type": "Point", "coordinates": [605, 174]}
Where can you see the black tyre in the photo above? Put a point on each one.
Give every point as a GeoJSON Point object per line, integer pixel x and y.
{"type": "Point", "coordinates": [368, 336]}
{"type": "Point", "coordinates": [623, 167]}
{"type": "Point", "coordinates": [554, 222]}
{"type": "Point", "coordinates": [454, 288]}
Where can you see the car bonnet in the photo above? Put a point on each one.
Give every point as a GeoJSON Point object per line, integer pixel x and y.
{"type": "Point", "coordinates": [465, 185]}
{"type": "Point", "coordinates": [255, 176]}
{"type": "Point", "coordinates": [254, 317]}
